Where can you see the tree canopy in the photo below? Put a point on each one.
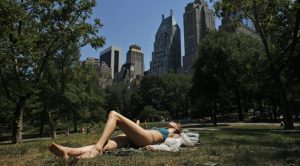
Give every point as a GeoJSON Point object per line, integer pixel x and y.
{"type": "Point", "coordinates": [36, 35]}
{"type": "Point", "coordinates": [277, 23]}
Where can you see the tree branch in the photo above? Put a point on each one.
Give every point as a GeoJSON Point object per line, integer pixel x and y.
{"type": "Point", "coordinates": [292, 45]}
{"type": "Point", "coordinates": [262, 34]}
{"type": "Point", "coordinates": [243, 10]}
{"type": "Point", "coordinates": [255, 19]}
{"type": "Point", "coordinates": [78, 13]}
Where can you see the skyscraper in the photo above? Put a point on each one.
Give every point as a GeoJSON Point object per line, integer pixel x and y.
{"type": "Point", "coordinates": [166, 56]}
{"type": "Point", "coordinates": [133, 68]}
{"type": "Point", "coordinates": [112, 57]}
{"type": "Point", "coordinates": [135, 56]}
{"type": "Point", "coordinates": [198, 21]}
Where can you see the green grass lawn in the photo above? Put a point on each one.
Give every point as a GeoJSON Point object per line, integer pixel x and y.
{"type": "Point", "coordinates": [253, 145]}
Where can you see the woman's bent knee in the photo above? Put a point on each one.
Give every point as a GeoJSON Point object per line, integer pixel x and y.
{"type": "Point", "coordinates": [113, 114]}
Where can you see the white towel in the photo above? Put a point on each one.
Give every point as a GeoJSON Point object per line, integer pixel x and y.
{"type": "Point", "coordinates": [173, 144]}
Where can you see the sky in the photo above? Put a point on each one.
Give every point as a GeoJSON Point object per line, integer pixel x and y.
{"type": "Point", "coordinates": [127, 22]}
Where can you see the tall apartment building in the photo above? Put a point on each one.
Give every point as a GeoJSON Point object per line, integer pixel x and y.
{"type": "Point", "coordinates": [112, 57]}
{"type": "Point", "coordinates": [246, 25]}
{"type": "Point", "coordinates": [166, 56]}
{"type": "Point", "coordinates": [198, 21]}
{"type": "Point", "coordinates": [135, 56]}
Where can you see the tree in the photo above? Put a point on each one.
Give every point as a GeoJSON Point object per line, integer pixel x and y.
{"type": "Point", "coordinates": [150, 114]}
{"type": "Point", "coordinates": [83, 96]}
{"type": "Point", "coordinates": [176, 98]}
{"type": "Point", "coordinates": [152, 92]}
{"type": "Point", "coordinates": [59, 72]}
{"type": "Point", "coordinates": [32, 33]}
{"type": "Point", "coordinates": [224, 72]}
{"type": "Point", "coordinates": [118, 98]}
{"type": "Point", "coordinates": [167, 94]}
{"type": "Point", "coordinates": [277, 23]}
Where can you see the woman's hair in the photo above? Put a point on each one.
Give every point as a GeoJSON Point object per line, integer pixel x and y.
{"type": "Point", "coordinates": [179, 128]}
{"type": "Point", "coordinates": [176, 126]}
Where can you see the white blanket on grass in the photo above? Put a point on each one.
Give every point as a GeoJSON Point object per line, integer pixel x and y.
{"type": "Point", "coordinates": [173, 144]}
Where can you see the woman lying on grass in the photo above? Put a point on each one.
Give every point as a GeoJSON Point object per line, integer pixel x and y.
{"type": "Point", "coordinates": [134, 136]}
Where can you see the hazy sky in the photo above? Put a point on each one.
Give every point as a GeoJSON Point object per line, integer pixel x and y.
{"type": "Point", "coordinates": [129, 22]}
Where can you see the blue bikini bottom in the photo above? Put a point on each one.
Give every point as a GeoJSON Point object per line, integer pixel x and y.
{"type": "Point", "coordinates": [164, 132]}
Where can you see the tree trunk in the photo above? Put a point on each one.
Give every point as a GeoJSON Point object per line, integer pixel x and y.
{"type": "Point", "coordinates": [288, 118]}
{"type": "Point", "coordinates": [75, 125]}
{"type": "Point", "coordinates": [177, 116]}
{"type": "Point", "coordinates": [42, 127]}
{"type": "Point", "coordinates": [261, 107]}
{"type": "Point", "coordinates": [211, 111]}
{"type": "Point", "coordinates": [53, 134]}
{"type": "Point", "coordinates": [239, 103]}
{"type": "Point", "coordinates": [214, 114]}
{"type": "Point", "coordinates": [17, 126]}
{"type": "Point", "coordinates": [284, 107]}
{"type": "Point", "coordinates": [43, 119]}
{"type": "Point", "coordinates": [274, 110]}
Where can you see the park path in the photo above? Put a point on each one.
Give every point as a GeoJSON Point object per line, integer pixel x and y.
{"type": "Point", "coordinates": [234, 124]}
{"type": "Point", "coordinates": [210, 127]}
{"type": "Point", "coordinates": [27, 140]}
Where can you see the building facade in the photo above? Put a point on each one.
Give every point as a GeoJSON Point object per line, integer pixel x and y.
{"type": "Point", "coordinates": [135, 57]}
{"type": "Point", "coordinates": [166, 56]}
{"type": "Point", "coordinates": [198, 21]}
{"type": "Point", "coordinates": [246, 26]}
{"type": "Point", "coordinates": [105, 75]}
{"type": "Point", "coordinates": [133, 68]}
{"type": "Point", "coordinates": [126, 74]}
{"type": "Point", "coordinates": [92, 61]}
{"type": "Point", "coordinates": [112, 57]}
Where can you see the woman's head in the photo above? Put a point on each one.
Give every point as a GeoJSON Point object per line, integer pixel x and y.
{"type": "Point", "coordinates": [175, 126]}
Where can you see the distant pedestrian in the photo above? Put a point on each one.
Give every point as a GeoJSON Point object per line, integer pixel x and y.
{"type": "Point", "coordinates": [82, 130]}
{"type": "Point", "coordinates": [282, 123]}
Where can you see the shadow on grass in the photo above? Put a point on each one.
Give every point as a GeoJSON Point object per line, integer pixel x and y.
{"type": "Point", "coordinates": [259, 138]}
{"type": "Point", "coordinates": [287, 153]}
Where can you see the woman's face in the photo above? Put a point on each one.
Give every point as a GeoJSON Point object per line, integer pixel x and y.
{"type": "Point", "coordinates": [173, 125]}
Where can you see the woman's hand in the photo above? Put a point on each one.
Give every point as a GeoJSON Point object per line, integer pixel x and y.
{"type": "Point", "coordinates": [94, 152]}
{"type": "Point", "coordinates": [149, 147]}
{"type": "Point", "coordinates": [137, 122]}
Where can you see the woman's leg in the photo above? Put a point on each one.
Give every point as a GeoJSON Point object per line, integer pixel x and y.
{"type": "Point", "coordinates": [64, 152]}
{"type": "Point", "coordinates": [120, 141]}
{"type": "Point", "coordinates": [133, 131]}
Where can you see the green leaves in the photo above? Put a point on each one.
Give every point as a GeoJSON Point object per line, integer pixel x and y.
{"type": "Point", "coordinates": [277, 22]}
{"type": "Point", "coordinates": [39, 47]}
{"type": "Point", "coordinates": [169, 93]}
{"type": "Point", "coordinates": [227, 64]}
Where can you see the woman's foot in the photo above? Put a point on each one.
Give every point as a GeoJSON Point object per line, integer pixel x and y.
{"type": "Point", "coordinates": [59, 151]}
{"type": "Point", "coordinates": [94, 152]}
